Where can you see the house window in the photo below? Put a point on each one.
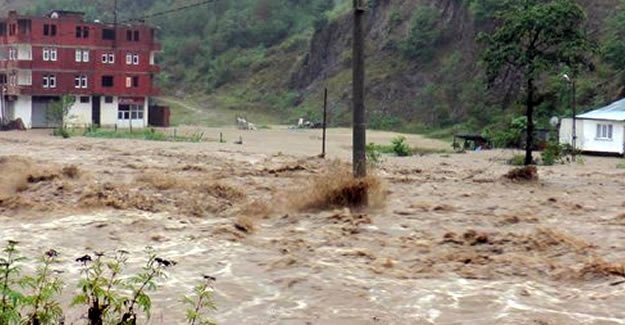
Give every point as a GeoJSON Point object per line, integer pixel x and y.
{"type": "Point", "coordinates": [135, 82]}
{"type": "Point", "coordinates": [82, 32]}
{"type": "Point", "coordinates": [126, 112]}
{"type": "Point", "coordinates": [3, 29]}
{"type": "Point", "coordinates": [129, 35]}
{"type": "Point", "coordinates": [53, 55]}
{"type": "Point", "coordinates": [46, 54]}
{"type": "Point", "coordinates": [128, 82]}
{"type": "Point", "coordinates": [128, 59]}
{"type": "Point", "coordinates": [108, 99]}
{"type": "Point", "coordinates": [111, 58]}
{"type": "Point", "coordinates": [82, 55]}
{"type": "Point", "coordinates": [52, 30]}
{"type": "Point", "coordinates": [85, 99]}
{"type": "Point", "coordinates": [604, 131]}
{"type": "Point", "coordinates": [105, 58]}
{"type": "Point", "coordinates": [12, 54]}
{"type": "Point", "coordinates": [49, 81]}
{"type": "Point", "coordinates": [107, 81]}
{"type": "Point", "coordinates": [135, 59]}
{"type": "Point", "coordinates": [46, 30]}
{"type": "Point", "coordinates": [108, 34]}
{"type": "Point", "coordinates": [136, 38]}
{"type": "Point", "coordinates": [108, 58]}
{"type": "Point", "coordinates": [80, 82]}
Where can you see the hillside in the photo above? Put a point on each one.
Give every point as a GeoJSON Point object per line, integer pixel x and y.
{"type": "Point", "coordinates": [276, 56]}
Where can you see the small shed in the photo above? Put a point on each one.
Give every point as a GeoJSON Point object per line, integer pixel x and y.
{"type": "Point", "coordinates": [159, 116]}
{"type": "Point", "coordinates": [600, 131]}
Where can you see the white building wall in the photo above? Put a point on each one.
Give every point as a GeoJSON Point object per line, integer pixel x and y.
{"type": "Point", "coordinates": [108, 112]}
{"type": "Point", "coordinates": [23, 108]}
{"type": "Point", "coordinates": [79, 114]}
{"type": "Point", "coordinates": [587, 132]}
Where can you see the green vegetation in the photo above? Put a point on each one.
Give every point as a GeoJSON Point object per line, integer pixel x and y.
{"type": "Point", "coordinates": [144, 134]}
{"type": "Point", "coordinates": [424, 33]}
{"type": "Point", "coordinates": [107, 294]}
{"type": "Point", "coordinates": [535, 37]}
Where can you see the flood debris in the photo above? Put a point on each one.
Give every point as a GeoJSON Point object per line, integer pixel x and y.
{"type": "Point", "coordinates": [523, 174]}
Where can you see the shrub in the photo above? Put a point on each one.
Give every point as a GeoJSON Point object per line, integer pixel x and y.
{"type": "Point", "coordinates": [424, 34]}
{"type": "Point", "coordinates": [553, 153]}
{"type": "Point", "coordinates": [61, 132]}
{"type": "Point", "coordinates": [374, 156]}
{"type": "Point", "coordinates": [517, 160]}
{"type": "Point", "coordinates": [400, 147]}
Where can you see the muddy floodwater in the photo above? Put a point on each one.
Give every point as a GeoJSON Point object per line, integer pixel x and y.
{"type": "Point", "coordinates": [452, 241]}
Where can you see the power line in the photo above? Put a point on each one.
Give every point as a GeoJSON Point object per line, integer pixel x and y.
{"type": "Point", "coordinates": [174, 10]}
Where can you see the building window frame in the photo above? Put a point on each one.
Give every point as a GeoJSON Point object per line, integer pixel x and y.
{"type": "Point", "coordinates": [135, 59]}
{"type": "Point", "coordinates": [604, 132]}
{"type": "Point", "coordinates": [45, 54]}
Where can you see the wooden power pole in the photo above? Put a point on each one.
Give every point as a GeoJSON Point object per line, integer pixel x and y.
{"type": "Point", "coordinates": [359, 118]}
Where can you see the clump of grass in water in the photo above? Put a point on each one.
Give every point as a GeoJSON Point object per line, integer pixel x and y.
{"type": "Point", "coordinates": [337, 188]}
{"type": "Point", "coordinates": [144, 134]}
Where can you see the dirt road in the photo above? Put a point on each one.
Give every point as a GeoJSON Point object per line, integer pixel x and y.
{"type": "Point", "coordinates": [454, 243]}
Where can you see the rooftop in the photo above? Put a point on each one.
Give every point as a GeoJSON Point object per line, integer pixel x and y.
{"type": "Point", "coordinates": [612, 112]}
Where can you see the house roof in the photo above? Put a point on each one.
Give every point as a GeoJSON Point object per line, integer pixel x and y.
{"type": "Point", "coordinates": [612, 112]}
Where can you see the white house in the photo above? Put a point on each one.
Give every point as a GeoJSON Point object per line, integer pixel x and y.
{"type": "Point", "coordinates": [601, 130]}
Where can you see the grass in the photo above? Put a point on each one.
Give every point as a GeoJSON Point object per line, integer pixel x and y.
{"type": "Point", "coordinates": [621, 165]}
{"type": "Point", "coordinates": [143, 134]}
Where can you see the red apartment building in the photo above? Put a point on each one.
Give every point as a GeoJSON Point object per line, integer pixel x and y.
{"type": "Point", "coordinates": [109, 68]}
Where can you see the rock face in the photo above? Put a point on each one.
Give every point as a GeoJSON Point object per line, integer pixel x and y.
{"type": "Point", "coordinates": [399, 87]}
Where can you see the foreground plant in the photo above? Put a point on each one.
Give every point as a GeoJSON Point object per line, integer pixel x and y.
{"type": "Point", "coordinates": [45, 287]}
{"type": "Point", "coordinates": [10, 271]}
{"type": "Point", "coordinates": [99, 280]}
{"type": "Point", "coordinates": [140, 284]}
{"type": "Point", "coordinates": [201, 303]}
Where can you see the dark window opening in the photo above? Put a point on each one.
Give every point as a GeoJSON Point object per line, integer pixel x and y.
{"type": "Point", "coordinates": [135, 82]}
{"type": "Point", "coordinates": [24, 26]}
{"type": "Point", "coordinates": [85, 32]}
{"type": "Point", "coordinates": [129, 35]}
{"type": "Point", "coordinates": [78, 32]}
{"type": "Point", "coordinates": [85, 99]}
{"type": "Point", "coordinates": [52, 30]}
{"type": "Point", "coordinates": [107, 81]}
{"type": "Point", "coordinates": [46, 30]}
{"type": "Point", "coordinates": [108, 34]}
{"type": "Point", "coordinates": [108, 99]}
{"type": "Point", "coordinates": [3, 29]}
{"type": "Point", "coordinates": [136, 36]}
{"type": "Point", "coordinates": [82, 32]}
{"type": "Point", "coordinates": [3, 79]}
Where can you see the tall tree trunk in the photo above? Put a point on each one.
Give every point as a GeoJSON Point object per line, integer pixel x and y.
{"type": "Point", "coordinates": [530, 122]}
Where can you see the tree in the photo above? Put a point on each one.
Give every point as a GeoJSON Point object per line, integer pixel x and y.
{"type": "Point", "coordinates": [59, 111]}
{"type": "Point", "coordinates": [424, 34]}
{"type": "Point", "coordinates": [533, 37]}
{"type": "Point", "coordinates": [614, 45]}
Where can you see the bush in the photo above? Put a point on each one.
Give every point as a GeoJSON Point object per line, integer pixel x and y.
{"type": "Point", "coordinates": [400, 147]}
{"type": "Point", "coordinates": [517, 160]}
{"type": "Point", "coordinates": [61, 132]}
{"type": "Point", "coordinates": [553, 153]}
{"type": "Point", "coordinates": [374, 156]}
{"type": "Point", "coordinates": [424, 34]}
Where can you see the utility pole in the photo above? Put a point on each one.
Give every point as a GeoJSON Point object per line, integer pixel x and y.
{"type": "Point", "coordinates": [574, 108]}
{"type": "Point", "coordinates": [325, 122]}
{"type": "Point", "coordinates": [359, 123]}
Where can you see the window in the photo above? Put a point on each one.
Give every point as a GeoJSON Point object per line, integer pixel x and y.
{"type": "Point", "coordinates": [80, 82]}
{"type": "Point", "coordinates": [85, 99]}
{"type": "Point", "coordinates": [82, 32]}
{"type": "Point", "coordinates": [135, 82]}
{"type": "Point", "coordinates": [128, 82]}
{"type": "Point", "coordinates": [127, 112]}
{"type": "Point", "coordinates": [129, 35]}
{"type": "Point", "coordinates": [107, 81]}
{"type": "Point", "coordinates": [108, 58]}
{"type": "Point", "coordinates": [136, 38]}
{"type": "Point", "coordinates": [82, 55]}
{"type": "Point", "coordinates": [52, 30]}
{"type": "Point", "coordinates": [105, 58]}
{"type": "Point", "coordinates": [108, 34]}
{"type": "Point", "coordinates": [46, 30]}
{"type": "Point", "coordinates": [3, 29]}
{"type": "Point", "coordinates": [3, 79]}
{"type": "Point", "coordinates": [111, 58]}
{"type": "Point", "coordinates": [53, 55]}
{"type": "Point", "coordinates": [12, 54]}
{"type": "Point", "coordinates": [46, 54]}
{"type": "Point", "coordinates": [128, 59]}
{"type": "Point", "coordinates": [49, 81]}
{"type": "Point", "coordinates": [108, 99]}
{"type": "Point", "coordinates": [135, 59]}
{"type": "Point", "coordinates": [604, 131]}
